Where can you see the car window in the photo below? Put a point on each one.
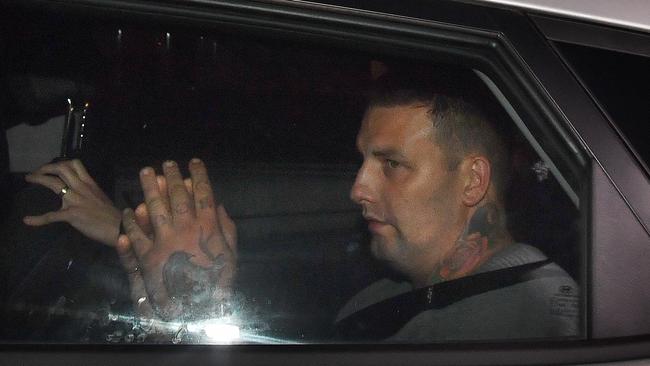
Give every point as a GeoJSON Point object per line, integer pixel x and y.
{"type": "Point", "coordinates": [618, 82]}
{"type": "Point", "coordinates": [355, 196]}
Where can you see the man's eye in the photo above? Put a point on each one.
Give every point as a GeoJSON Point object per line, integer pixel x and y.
{"type": "Point", "coordinates": [392, 163]}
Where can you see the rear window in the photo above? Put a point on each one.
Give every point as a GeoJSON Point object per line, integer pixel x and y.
{"type": "Point", "coordinates": [619, 82]}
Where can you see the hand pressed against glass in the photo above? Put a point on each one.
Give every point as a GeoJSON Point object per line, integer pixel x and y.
{"type": "Point", "coordinates": [187, 265]}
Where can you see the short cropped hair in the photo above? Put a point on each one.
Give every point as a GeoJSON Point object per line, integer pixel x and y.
{"type": "Point", "coordinates": [462, 125]}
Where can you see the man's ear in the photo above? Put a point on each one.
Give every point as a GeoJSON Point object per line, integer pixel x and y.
{"type": "Point", "coordinates": [477, 172]}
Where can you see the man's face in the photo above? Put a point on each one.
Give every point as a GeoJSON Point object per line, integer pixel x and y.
{"type": "Point", "coordinates": [409, 197]}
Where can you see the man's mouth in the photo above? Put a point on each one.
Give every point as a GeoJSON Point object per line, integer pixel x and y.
{"type": "Point", "coordinates": [375, 225]}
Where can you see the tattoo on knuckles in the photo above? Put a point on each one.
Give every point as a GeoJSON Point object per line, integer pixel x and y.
{"type": "Point", "coordinates": [135, 237]}
{"type": "Point", "coordinates": [161, 220]}
{"type": "Point", "coordinates": [177, 189]}
{"type": "Point", "coordinates": [202, 186]}
{"type": "Point", "coordinates": [205, 203]}
{"type": "Point", "coordinates": [182, 208]}
{"type": "Point", "coordinates": [130, 227]}
{"type": "Point", "coordinates": [156, 203]}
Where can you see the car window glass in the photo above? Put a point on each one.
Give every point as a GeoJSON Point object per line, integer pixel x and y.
{"type": "Point", "coordinates": [620, 84]}
{"type": "Point", "coordinates": [339, 202]}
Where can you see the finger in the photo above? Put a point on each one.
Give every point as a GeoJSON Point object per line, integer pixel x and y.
{"type": "Point", "coordinates": [142, 219]}
{"type": "Point", "coordinates": [72, 199]}
{"type": "Point", "coordinates": [228, 229]}
{"type": "Point", "coordinates": [139, 241]}
{"type": "Point", "coordinates": [203, 194]}
{"type": "Point", "coordinates": [87, 186]}
{"type": "Point", "coordinates": [127, 256]}
{"type": "Point", "coordinates": [52, 183]}
{"type": "Point", "coordinates": [56, 185]}
{"type": "Point", "coordinates": [48, 218]}
{"type": "Point", "coordinates": [188, 185]}
{"type": "Point", "coordinates": [81, 171]}
{"type": "Point", "coordinates": [158, 214]}
{"type": "Point", "coordinates": [162, 188]}
{"type": "Point", "coordinates": [179, 199]}
{"type": "Point", "coordinates": [64, 171]}
{"type": "Point", "coordinates": [130, 264]}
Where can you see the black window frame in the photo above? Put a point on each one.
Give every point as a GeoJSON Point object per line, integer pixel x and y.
{"type": "Point", "coordinates": [502, 43]}
{"type": "Point", "coordinates": [616, 166]}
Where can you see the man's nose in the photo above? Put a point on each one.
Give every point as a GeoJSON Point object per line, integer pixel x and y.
{"type": "Point", "coordinates": [361, 189]}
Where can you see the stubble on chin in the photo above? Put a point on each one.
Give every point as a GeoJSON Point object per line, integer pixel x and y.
{"type": "Point", "coordinates": [390, 251]}
{"type": "Point", "coordinates": [376, 247]}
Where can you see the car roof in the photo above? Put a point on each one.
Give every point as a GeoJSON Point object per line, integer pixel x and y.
{"type": "Point", "coordinates": [630, 14]}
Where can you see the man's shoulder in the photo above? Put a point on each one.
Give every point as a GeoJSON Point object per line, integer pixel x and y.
{"type": "Point", "coordinates": [513, 255]}
{"type": "Point", "coordinates": [543, 282]}
{"type": "Point", "coordinates": [544, 305]}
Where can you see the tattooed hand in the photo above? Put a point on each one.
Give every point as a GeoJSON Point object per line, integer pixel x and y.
{"type": "Point", "coordinates": [185, 268]}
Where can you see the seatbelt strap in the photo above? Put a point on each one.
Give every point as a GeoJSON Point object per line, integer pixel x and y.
{"type": "Point", "coordinates": [385, 318]}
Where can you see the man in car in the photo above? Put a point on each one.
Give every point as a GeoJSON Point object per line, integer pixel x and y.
{"type": "Point", "coordinates": [431, 188]}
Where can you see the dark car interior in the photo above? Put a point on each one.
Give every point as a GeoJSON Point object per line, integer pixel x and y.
{"type": "Point", "coordinates": [275, 121]}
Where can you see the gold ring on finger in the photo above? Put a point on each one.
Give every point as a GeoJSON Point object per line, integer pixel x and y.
{"type": "Point", "coordinates": [64, 190]}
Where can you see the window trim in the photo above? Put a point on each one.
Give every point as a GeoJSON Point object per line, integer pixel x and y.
{"type": "Point", "coordinates": [510, 55]}
{"type": "Point", "coordinates": [592, 35]}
